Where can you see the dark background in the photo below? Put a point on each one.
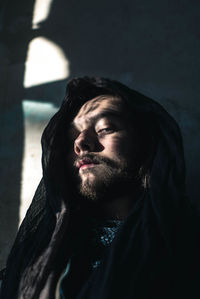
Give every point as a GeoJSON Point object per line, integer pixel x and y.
{"type": "Point", "coordinates": [152, 46]}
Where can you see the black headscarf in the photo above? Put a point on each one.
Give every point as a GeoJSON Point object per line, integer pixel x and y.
{"type": "Point", "coordinates": [155, 254]}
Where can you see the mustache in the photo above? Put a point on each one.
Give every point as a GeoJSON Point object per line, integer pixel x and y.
{"type": "Point", "coordinates": [96, 159]}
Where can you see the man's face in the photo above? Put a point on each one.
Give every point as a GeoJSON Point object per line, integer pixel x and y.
{"type": "Point", "coordinates": [103, 153]}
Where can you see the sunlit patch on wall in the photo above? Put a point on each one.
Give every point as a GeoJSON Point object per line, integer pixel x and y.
{"type": "Point", "coordinates": [46, 62]}
{"type": "Point", "coordinates": [36, 116]}
{"type": "Point", "coordinates": [40, 12]}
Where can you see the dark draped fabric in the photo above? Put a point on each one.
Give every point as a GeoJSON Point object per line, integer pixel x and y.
{"type": "Point", "coordinates": [156, 252]}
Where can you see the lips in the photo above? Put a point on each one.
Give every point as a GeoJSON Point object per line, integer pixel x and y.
{"type": "Point", "coordinates": [87, 166]}
{"type": "Point", "coordinates": [85, 163]}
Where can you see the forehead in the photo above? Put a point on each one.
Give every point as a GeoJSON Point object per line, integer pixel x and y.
{"type": "Point", "coordinates": [97, 106]}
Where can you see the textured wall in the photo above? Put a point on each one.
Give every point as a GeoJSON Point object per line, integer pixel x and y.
{"type": "Point", "coordinates": [153, 46]}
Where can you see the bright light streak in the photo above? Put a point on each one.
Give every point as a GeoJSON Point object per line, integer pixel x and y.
{"type": "Point", "coordinates": [46, 62]}
{"type": "Point", "coordinates": [40, 12]}
{"type": "Point", "coordinates": [36, 116]}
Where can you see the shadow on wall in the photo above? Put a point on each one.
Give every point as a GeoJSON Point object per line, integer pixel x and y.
{"type": "Point", "coordinates": [152, 46]}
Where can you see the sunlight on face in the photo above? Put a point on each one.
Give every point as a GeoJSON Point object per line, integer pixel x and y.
{"type": "Point", "coordinates": [103, 145]}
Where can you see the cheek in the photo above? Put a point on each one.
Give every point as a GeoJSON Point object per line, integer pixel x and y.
{"type": "Point", "coordinates": [118, 146]}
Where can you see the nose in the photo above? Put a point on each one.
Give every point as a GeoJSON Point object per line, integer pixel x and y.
{"type": "Point", "coordinates": [84, 143]}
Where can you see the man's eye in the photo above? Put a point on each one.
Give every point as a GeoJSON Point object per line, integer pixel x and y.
{"type": "Point", "coordinates": [105, 130]}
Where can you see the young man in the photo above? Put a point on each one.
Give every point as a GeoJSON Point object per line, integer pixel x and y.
{"type": "Point", "coordinates": [110, 218]}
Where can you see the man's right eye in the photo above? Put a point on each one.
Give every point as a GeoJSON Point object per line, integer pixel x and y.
{"type": "Point", "coordinates": [105, 131]}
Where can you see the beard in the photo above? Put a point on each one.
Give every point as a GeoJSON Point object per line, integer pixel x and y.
{"type": "Point", "coordinates": [106, 180]}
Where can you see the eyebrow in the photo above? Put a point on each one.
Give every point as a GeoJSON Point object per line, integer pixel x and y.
{"type": "Point", "coordinates": [103, 114]}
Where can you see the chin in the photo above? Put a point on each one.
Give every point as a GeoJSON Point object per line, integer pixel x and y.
{"type": "Point", "coordinates": [87, 176]}
{"type": "Point", "coordinates": [103, 183]}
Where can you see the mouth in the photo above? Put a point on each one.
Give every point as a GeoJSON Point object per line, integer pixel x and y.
{"type": "Point", "coordinates": [83, 164]}
{"type": "Point", "coordinates": [87, 165]}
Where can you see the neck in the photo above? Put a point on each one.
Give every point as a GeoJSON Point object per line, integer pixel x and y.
{"type": "Point", "coordinates": [118, 208]}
